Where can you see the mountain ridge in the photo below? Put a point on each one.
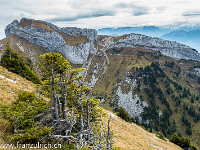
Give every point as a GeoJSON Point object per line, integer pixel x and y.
{"type": "Point", "coordinates": [54, 40]}
{"type": "Point", "coordinates": [77, 44]}
{"type": "Point", "coordinates": [127, 70]}
{"type": "Point", "coordinates": [169, 48]}
{"type": "Point", "coordinates": [159, 31]}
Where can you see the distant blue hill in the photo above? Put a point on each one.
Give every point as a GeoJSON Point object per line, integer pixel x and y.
{"type": "Point", "coordinates": [190, 38]}
{"type": "Point", "coordinates": [188, 35]}
{"type": "Point", "coordinates": [147, 30]}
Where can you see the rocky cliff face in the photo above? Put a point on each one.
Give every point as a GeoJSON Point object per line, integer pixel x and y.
{"type": "Point", "coordinates": [169, 48]}
{"type": "Point", "coordinates": [77, 44]}
{"type": "Point", "coordinates": [53, 38]}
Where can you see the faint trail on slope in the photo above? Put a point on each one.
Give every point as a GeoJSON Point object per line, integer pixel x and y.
{"type": "Point", "coordinates": [7, 79]}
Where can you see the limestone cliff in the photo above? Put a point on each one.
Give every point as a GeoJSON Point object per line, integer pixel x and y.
{"type": "Point", "coordinates": [74, 43]}
{"type": "Point", "coordinates": [77, 44]}
{"type": "Point", "coordinates": [168, 48]}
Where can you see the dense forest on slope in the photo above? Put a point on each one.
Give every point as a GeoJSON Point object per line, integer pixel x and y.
{"type": "Point", "coordinates": [161, 91]}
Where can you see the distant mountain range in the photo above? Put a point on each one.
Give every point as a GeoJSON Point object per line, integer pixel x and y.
{"type": "Point", "coordinates": [188, 35]}
{"type": "Point", "coordinates": [190, 38]}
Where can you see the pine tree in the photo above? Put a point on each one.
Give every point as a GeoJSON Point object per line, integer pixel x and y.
{"type": "Point", "coordinates": [17, 63]}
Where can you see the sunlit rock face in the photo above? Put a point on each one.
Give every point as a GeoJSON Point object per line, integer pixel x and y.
{"type": "Point", "coordinates": [54, 38]}
{"type": "Point", "coordinates": [50, 37]}
{"type": "Point", "coordinates": [169, 48]}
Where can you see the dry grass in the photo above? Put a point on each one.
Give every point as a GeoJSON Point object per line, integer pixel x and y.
{"type": "Point", "coordinates": [36, 24]}
{"type": "Point", "coordinates": [116, 38]}
{"type": "Point", "coordinates": [74, 40]}
{"type": "Point", "coordinates": [8, 89]}
{"type": "Point", "coordinates": [129, 136]}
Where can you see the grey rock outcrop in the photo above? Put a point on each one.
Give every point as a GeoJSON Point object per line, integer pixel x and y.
{"type": "Point", "coordinates": [169, 48]}
{"type": "Point", "coordinates": [53, 40]}
{"type": "Point", "coordinates": [132, 104]}
{"type": "Point", "coordinates": [91, 34]}
{"type": "Point", "coordinates": [78, 53]}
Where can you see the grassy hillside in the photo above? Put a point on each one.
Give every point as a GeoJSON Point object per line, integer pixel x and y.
{"type": "Point", "coordinates": [126, 135]}
{"type": "Point", "coordinates": [22, 46]}
{"type": "Point", "coordinates": [11, 84]}
{"type": "Point", "coordinates": [124, 68]}
{"type": "Point", "coordinates": [131, 136]}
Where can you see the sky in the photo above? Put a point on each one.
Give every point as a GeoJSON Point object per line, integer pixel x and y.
{"type": "Point", "coordinates": [101, 13]}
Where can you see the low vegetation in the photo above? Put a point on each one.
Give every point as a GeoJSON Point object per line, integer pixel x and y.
{"type": "Point", "coordinates": [18, 64]}
{"type": "Point", "coordinates": [182, 142]}
{"type": "Point", "coordinates": [123, 114]}
{"type": "Point", "coordinates": [161, 136]}
{"type": "Point", "coordinates": [20, 117]}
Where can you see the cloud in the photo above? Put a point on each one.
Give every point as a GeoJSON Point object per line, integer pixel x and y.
{"type": "Point", "coordinates": [160, 9]}
{"type": "Point", "coordinates": [101, 13]}
{"type": "Point", "coordinates": [98, 13]}
{"type": "Point", "coordinates": [136, 9]}
{"type": "Point", "coordinates": [140, 12]}
{"type": "Point", "coordinates": [191, 13]}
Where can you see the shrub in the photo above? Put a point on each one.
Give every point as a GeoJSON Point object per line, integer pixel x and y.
{"type": "Point", "coordinates": [181, 141]}
{"type": "Point", "coordinates": [169, 64]}
{"type": "Point", "coordinates": [161, 136]}
{"type": "Point", "coordinates": [20, 116]}
{"type": "Point", "coordinates": [123, 114]}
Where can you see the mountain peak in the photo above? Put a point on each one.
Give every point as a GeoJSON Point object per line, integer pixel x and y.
{"type": "Point", "coordinates": [74, 43]}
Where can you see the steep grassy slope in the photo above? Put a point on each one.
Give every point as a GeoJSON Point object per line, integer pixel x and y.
{"type": "Point", "coordinates": [21, 45]}
{"type": "Point", "coordinates": [131, 136]}
{"type": "Point", "coordinates": [126, 135]}
{"type": "Point", "coordinates": [11, 84]}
